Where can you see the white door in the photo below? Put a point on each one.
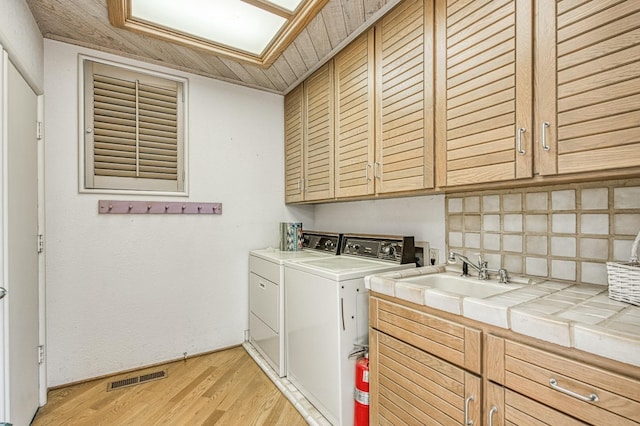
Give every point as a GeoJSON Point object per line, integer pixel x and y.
{"type": "Point", "coordinates": [19, 308]}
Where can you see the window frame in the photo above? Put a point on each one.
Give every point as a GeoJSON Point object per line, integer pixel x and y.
{"type": "Point", "coordinates": [121, 185]}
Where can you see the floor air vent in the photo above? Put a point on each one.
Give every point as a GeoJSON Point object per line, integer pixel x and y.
{"type": "Point", "coordinates": [118, 384]}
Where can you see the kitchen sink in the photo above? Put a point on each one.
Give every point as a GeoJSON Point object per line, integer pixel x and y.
{"type": "Point", "coordinates": [462, 286]}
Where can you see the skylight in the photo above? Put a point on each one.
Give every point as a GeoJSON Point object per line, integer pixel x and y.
{"type": "Point", "coordinates": [252, 30]}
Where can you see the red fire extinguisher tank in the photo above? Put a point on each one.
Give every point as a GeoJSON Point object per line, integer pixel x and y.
{"type": "Point", "coordinates": [361, 393]}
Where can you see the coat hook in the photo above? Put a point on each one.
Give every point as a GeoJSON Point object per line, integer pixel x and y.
{"type": "Point", "coordinates": [166, 208]}
{"type": "Point", "coordinates": [110, 207]}
{"type": "Point", "coordinates": [148, 207]}
{"type": "Point", "coordinates": [130, 207]}
{"type": "Point", "coordinates": [199, 208]}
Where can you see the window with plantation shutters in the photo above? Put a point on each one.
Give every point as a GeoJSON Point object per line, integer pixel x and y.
{"type": "Point", "coordinates": [133, 130]}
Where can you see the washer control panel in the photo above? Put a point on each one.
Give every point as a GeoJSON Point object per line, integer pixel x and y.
{"type": "Point", "coordinates": [322, 242]}
{"type": "Point", "coordinates": [395, 249]}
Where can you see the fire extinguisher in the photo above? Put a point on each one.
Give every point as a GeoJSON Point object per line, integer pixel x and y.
{"type": "Point", "coordinates": [361, 391]}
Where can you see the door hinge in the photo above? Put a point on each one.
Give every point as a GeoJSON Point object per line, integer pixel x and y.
{"type": "Point", "coordinates": [39, 130]}
{"type": "Point", "coordinates": [40, 354]}
{"type": "Point", "coordinates": [40, 243]}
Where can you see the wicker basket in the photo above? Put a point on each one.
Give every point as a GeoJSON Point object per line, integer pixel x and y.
{"type": "Point", "coordinates": [624, 282]}
{"type": "Point", "coordinates": [624, 278]}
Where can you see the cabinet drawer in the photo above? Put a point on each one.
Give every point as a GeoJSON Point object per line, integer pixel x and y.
{"type": "Point", "coordinates": [265, 269]}
{"type": "Point", "coordinates": [448, 340]}
{"type": "Point", "coordinates": [265, 340]}
{"type": "Point", "coordinates": [264, 300]}
{"type": "Point", "coordinates": [505, 407]}
{"type": "Point", "coordinates": [561, 383]}
{"type": "Point", "coordinates": [410, 386]}
{"type": "Point", "coordinates": [520, 410]}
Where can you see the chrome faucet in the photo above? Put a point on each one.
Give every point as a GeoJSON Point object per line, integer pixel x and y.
{"type": "Point", "coordinates": [481, 267]}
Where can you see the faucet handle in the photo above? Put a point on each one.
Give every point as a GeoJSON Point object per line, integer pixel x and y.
{"type": "Point", "coordinates": [503, 276]}
{"type": "Point", "coordinates": [483, 271]}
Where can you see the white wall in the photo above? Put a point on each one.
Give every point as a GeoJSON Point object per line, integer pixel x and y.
{"type": "Point", "coordinates": [125, 291]}
{"type": "Point", "coordinates": [21, 38]}
{"type": "Point", "coordinates": [422, 217]}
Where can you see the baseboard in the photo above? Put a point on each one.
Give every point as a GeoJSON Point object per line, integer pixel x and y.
{"type": "Point", "coordinates": [144, 367]}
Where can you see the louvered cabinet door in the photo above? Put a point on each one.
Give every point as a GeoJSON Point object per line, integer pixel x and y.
{"type": "Point", "coordinates": [588, 85]}
{"type": "Point", "coordinates": [293, 145]}
{"type": "Point", "coordinates": [412, 387]}
{"type": "Point", "coordinates": [354, 140]}
{"type": "Point", "coordinates": [404, 80]}
{"type": "Point", "coordinates": [318, 155]}
{"type": "Point", "coordinates": [484, 91]}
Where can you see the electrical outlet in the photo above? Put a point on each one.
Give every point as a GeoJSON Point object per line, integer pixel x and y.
{"type": "Point", "coordinates": [434, 256]}
{"type": "Point", "coordinates": [422, 252]}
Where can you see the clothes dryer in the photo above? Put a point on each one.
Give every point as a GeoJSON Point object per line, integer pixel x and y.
{"type": "Point", "coordinates": [266, 293]}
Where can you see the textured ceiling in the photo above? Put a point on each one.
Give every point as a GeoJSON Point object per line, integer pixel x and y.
{"type": "Point", "coordinates": [86, 23]}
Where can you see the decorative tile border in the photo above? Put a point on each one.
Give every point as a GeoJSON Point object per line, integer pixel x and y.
{"type": "Point", "coordinates": [561, 232]}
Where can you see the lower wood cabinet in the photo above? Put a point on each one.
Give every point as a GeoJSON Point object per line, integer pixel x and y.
{"type": "Point", "coordinates": [428, 367]}
{"type": "Point", "coordinates": [589, 393]}
{"type": "Point", "coordinates": [411, 386]}
{"type": "Point", "coordinates": [422, 368]}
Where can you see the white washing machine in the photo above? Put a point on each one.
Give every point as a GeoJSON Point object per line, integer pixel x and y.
{"type": "Point", "coordinates": [266, 293]}
{"type": "Point", "coordinates": [326, 314]}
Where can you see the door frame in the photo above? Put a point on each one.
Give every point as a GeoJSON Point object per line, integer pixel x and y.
{"type": "Point", "coordinates": [4, 136]}
{"type": "Point", "coordinates": [42, 299]}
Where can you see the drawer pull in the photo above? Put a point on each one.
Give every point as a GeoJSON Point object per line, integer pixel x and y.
{"type": "Point", "coordinates": [466, 411]}
{"type": "Point", "coordinates": [262, 285]}
{"type": "Point", "coordinates": [545, 125]}
{"type": "Point", "coordinates": [521, 151]}
{"type": "Point", "coordinates": [493, 410]}
{"type": "Point", "coordinates": [591, 398]}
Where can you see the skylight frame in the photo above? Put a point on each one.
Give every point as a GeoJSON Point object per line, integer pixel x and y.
{"type": "Point", "coordinates": [120, 16]}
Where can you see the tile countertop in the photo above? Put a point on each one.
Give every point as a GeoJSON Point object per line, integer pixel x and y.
{"type": "Point", "coordinates": [573, 315]}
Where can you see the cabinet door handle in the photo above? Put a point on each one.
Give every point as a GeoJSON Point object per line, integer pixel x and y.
{"type": "Point", "coordinates": [545, 125]}
{"type": "Point", "coordinates": [342, 313]}
{"type": "Point", "coordinates": [493, 410]}
{"type": "Point", "coordinates": [467, 421]}
{"type": "Point", "coordinates": [591, 398]}
{"type": "Point", "coordinates": [366, 172]}
{"type": "Point", "coordinates": [262, 285]}
{"type": "Point", "coordinates": [377, 171]}
{"type": "Point", "coordinates": [521, 151]}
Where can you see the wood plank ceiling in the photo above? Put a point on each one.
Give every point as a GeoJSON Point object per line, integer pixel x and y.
{"type": "Point", "coordinates": [86, 23]}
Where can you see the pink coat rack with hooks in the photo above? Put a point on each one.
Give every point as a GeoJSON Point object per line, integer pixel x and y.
{"type": "Point", "coordinates": [157, 207]}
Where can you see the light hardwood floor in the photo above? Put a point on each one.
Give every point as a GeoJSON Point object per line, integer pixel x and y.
{"type": "Point", "coordinates": [221, 388]}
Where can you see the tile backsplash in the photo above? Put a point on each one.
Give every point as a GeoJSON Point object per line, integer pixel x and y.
{"type": "Point", "coordinates": [561, 232]}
